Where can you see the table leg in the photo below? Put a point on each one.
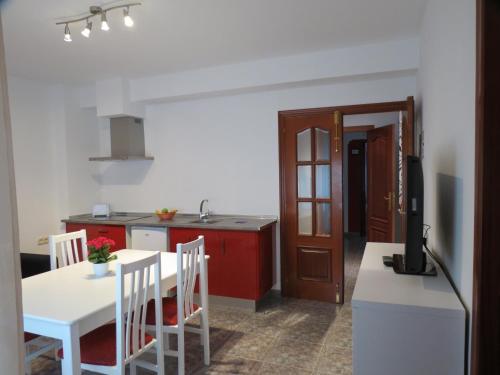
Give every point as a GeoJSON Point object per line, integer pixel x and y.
{"type": "Point", "coordinates": [71, 347]}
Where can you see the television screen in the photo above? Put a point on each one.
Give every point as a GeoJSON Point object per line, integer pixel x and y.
{"type": "Point", "coordinates": [414, 261]}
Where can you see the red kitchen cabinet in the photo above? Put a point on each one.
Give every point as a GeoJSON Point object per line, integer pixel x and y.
{"type": "Point", "coordinates": [115, 232]}
{"type": "Point", "coordinates": [212, 245]}
{"type": "Point", "coordinates": [240, 264]}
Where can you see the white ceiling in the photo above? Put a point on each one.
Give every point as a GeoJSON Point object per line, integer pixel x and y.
{"type": "Point", "coordinates": [174, 35]}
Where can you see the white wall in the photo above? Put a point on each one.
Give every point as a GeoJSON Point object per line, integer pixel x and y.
{"type": "Point", "coordinates": [52, 140]}
{"type": "Point", "coordinates": [377, 119]}
{"type": "Point", "coordinates": [225, 148]}
{"type": "Point", "coordinates": [446, 113]}
{"type": "Point", "coordinates": [34, 126]}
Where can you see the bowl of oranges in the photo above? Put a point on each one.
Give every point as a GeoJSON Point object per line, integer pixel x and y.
{"type": "Point", "coordinates": [165, 214]}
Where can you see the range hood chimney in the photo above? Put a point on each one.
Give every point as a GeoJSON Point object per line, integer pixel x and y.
{"type": "Point", "coordinates": [127, 140]}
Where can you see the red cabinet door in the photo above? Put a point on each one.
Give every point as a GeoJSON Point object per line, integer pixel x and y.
{"type": "Point", "coordinates": [239, 264]}
{"type": "Point", "coordinates": [114, 232]}
{"type": "Point", "coordinates": [212, 248]}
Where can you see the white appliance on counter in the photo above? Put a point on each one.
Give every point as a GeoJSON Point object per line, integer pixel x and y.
{"type": "Point", "coordinates": [101, 210]}
{"type": "Point", "coordinates": [149, 238]}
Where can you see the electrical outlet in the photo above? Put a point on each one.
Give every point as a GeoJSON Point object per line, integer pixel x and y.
{"type": "Point", "coordinates": [43, 240]}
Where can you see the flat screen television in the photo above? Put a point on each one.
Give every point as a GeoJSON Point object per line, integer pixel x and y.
{"type": "Point", "coordinates": [414, 260]}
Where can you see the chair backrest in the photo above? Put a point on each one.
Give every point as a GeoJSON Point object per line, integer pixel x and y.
{"type": "Point", "coordinates": [190, 262]}
{"type": "Point", "coordinates": [70, 251]}
{"type": "Point", "coordinates": [133, 284]}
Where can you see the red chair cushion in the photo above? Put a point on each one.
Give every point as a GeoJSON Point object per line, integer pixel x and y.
{"type": "Point", "coordinates": [169, 311]}
{"type": "Point", "coordinates": [98, 347]}
{"type": "Point", "coordinates": [29, 336]}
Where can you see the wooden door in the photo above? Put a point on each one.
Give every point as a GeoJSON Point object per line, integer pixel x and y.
{"type": "Point", "coordinates": [381, 184]}
{"type": "Point", "coordinates": [311, 205]}
{"type": "Point", "coordinates": [356, 186]}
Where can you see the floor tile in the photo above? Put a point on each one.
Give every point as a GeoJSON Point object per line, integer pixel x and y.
{"type": "Point", "coordinates": [270, 369]}
{"type": "Point", "coordinates": [230, 365]}
{"type": "Point", "coordinates": [293, 353]}
{"type": "Point", "coordinates": [250, 346]}
{"type": "Point", "coordinates": [308, 331]}
{"type": "Point", "coordinates": [334, 361]}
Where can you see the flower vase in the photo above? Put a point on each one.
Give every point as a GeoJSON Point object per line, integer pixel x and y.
{"type": "Point", "coordinates": [101, 269]}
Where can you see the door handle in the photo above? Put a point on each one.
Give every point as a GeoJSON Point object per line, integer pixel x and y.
{"type": "Point", "coordinates": [223, 248]}
{"type": "Point", "coordinates": [389, 199]}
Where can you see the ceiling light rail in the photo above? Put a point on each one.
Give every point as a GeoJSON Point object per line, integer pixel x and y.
{"type": "Point", "coordinates": [95, 11]}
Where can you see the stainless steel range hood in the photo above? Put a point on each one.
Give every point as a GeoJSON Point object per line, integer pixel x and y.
{"type": "Point", "coordinates": [127, 140]}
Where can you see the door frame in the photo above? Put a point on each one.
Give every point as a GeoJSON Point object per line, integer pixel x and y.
{"type": "Point", "coordinates": [356, 109]}
{"type": "Point", "coordinates": [486, 284]}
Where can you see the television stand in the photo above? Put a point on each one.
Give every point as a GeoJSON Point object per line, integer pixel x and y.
{"type": "Point", "coordinates": [398, 265]}
{"type": "Point", "coordinates": [405, 324]}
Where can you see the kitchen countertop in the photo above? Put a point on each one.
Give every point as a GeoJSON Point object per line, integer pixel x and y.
{"type": "Point", "coordinates": [224, 222]}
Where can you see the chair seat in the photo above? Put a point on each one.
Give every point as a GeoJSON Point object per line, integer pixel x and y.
{"type": "Point", "coordinates": [169, 312]}
{"type": "Point", "coordinates": [98, 347]}
{"type": "Point", "coordinates": [29, 336]}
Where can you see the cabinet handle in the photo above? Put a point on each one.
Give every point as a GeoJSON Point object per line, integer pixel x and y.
{"type": "Point", "coordinates": [223, 247]}
{"type": "Point", "coordinates": [102, 231]}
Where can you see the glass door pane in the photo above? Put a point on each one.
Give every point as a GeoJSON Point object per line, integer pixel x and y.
{"type": "Point", "coordinates": [304, 181]}
{"type": "Point", "coordinates": [322, 144]}
{"type": "Point", "coordinates": [304, 145]}
{"type": "Point", "coordinates": [323, 219]}
{"type": "Point", "coordinates": [323, 181]}
{"type": "Point", "coordinates": [305, 218]}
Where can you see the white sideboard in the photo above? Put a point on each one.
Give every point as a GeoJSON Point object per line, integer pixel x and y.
{"type": "Point", "coordinates": [405, 324]}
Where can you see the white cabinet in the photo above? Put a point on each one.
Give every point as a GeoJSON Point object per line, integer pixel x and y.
{"type": "Point", "coordinates": [405, 324]}
{"type": "Point", "coordinates": [149, 238]}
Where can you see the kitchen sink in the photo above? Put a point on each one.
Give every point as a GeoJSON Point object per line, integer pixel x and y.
{"type": "Point", "coordinates": [204, 221]}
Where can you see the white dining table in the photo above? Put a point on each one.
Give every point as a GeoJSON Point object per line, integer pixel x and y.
{"type": "Point", "coordinates": [69, 302]}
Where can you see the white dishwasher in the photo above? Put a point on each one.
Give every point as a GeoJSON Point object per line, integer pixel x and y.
{"type": "Point", "coordinates": [149, 238]}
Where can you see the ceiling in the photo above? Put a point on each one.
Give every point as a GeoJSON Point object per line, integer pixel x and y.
{"type": "Point", "coordinates": [175, 35]}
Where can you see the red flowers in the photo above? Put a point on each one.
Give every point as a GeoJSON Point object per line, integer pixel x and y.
{"type": "Point", "coordinates": [98, 250]}
{"type": "Point", "coordinates": [101, 242]}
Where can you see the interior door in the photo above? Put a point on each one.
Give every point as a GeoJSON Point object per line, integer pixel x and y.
{"type": "Point", "coordinates": [311, 205]}
{"type": "Point", "coordinates": [381, 200]}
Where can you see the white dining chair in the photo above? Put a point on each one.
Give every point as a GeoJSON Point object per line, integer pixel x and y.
{"type": "Point", "coordinates": [189, 256]}
{"type": "Point", "coordinates": [110, 348]}
{"type": "Point", "coordinates": [68, 245]}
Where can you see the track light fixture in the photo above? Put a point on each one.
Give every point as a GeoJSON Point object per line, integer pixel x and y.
{"type": "Point", "coordinates": [67, 34]}
{"type": "Point", "coordinates": [88, 28]}
{"type": "Point", "coordinates": [104, 22]}
{"type": "Point", "coordinates": [98, 11]}
{"type": "Point", "coordinates": [127, 20]}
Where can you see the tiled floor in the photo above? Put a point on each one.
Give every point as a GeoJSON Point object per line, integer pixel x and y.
{"type": "Point", "coordinates": [286, 336]}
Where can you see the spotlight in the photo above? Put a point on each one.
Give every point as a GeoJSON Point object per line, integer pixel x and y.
{"type": "Point", "coordinates": [67, 34]}
{"type": "Point", "coordinates": [88, 28]}
{"type": "Point", "coordinates": [104, 22]}
{"type": "Point", "coordinates": [127, 20]}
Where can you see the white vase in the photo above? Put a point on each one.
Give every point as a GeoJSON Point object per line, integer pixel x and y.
{"type": "Point", "coordinates": [100, 269]}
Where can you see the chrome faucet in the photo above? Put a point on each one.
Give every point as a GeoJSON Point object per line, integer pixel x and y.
{"type": "Point", "coordinates": [203, 214]}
